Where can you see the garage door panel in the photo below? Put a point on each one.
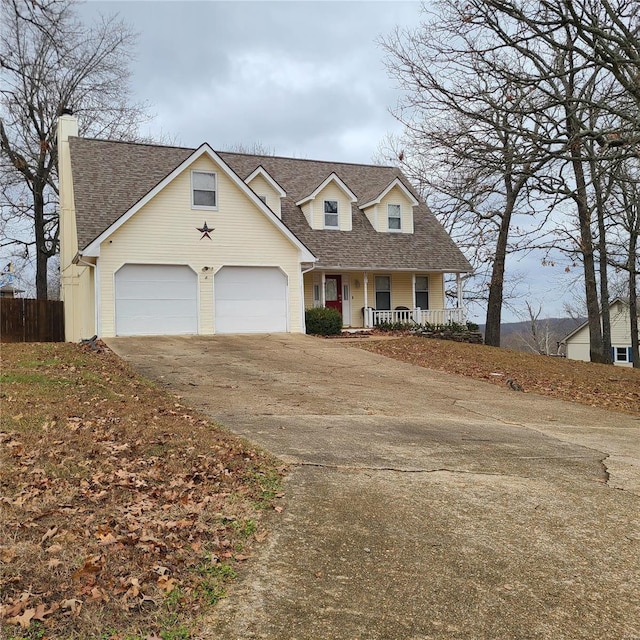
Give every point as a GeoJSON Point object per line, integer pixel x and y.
{"type": "Point", "coordinates": [250, 300]}
{"type": "Point", "coordinates": [156, 300]}
{"type": "Point", "coordinates": [229, 309]}
{"type": "Point", "coordinates": [160, 290]}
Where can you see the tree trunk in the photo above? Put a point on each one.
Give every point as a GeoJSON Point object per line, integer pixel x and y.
{"type": "Point", "coordinates": [42, 255]}
{"type": "Point", "coordinates": [603, 265]}
{"type": "Point", "coordinates": [496, 286]}
{"type": "Point", "coordinates": [586, 248]}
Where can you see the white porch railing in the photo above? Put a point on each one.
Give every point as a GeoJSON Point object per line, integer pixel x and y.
{"type": "Point", "coordinates": [372, 317]}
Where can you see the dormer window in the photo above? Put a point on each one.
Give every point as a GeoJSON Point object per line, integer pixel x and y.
{"type": "Point", "coordinates": [331, 214]}
{"type": "Point", "coordinates": [203, 190]}
{"type": "Point", "coordinates": [394, 213]}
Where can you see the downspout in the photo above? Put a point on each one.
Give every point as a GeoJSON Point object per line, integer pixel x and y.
{"type": "Point", "coordinates": [96, 290]}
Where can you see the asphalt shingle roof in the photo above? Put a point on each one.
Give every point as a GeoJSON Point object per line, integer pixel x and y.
{"type": "Point", "coordinates": [110, 177]}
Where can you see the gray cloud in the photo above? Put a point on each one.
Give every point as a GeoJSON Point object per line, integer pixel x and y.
{"type": "Point", "coordinates": [303, 78]}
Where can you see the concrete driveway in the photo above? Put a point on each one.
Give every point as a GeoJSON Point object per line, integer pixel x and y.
{"type": "Point", "coordinates": [420, 505]}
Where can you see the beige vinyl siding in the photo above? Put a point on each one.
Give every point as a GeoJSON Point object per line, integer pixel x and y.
{"type": "Point", "coordinates": [78, 294]}
{"type": "Point", "coordinates": [331, 192]}
{"type": "Point", "coordinates": [263, 188]}
{"type": "Point", "coordinates": [308, 210]}
{"type": "Point", "coordinates": [308, 290]}
{"type": "Point", "coordinates": [378, 214]}
{"type": "Point", "coordinates": [357, 300]}
{"type": "Point", "coordinates": [402, 289]}
{"type": "Point", "coordinates": [372, 216]}
{"type": "Point", "coordinates": [165, 231]}
{"type": "Point", "coordinates": [396, 196]}
{"type": "Point", "coordinates": [620, 325]}
{"type": "Point", "coordinates": [87, 304]}
{"type": "Point", "coordinates": [578, 345]}
{"type": "Point", "coordinates": [436, 290]}
{"type": "Point", "coordinates": [621, 329]}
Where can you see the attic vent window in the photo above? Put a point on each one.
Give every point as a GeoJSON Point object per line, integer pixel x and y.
{"type": "Point", "coordinates": [203, 186]}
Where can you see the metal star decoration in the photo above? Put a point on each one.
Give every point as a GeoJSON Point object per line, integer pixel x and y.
{"type": "Point", "coordinates": [205, 231]}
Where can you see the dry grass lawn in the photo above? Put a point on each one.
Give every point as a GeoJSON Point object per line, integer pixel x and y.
{"type": "Point", "coordinates": [596, 385]}
{"type": "Point", "coordinates": [123, 514]}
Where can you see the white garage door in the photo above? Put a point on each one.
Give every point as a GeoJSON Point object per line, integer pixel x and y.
{"type": "Point", "coordinates": [250, 300]}
{"type": "Point", "coordinates": [156, 300]}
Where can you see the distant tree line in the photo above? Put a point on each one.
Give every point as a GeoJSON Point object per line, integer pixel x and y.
{"type": "Point", "coordinates": [522, 129]}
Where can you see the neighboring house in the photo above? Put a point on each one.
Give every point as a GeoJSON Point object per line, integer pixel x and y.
{"type": "Point", "coordinates": [166, 240]}
{"type": "Point", "coordinates": [577, 342]}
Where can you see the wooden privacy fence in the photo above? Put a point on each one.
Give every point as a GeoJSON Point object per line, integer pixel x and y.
{"type": "Point", "coordinates": [26, 320]}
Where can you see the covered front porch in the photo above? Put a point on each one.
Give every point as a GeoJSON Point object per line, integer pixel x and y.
{"type": "Point", "coordinates": [368, 298]}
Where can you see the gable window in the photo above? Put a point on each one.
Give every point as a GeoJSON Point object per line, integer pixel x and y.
{"type": "Point", "coordinates": [383, 293]}
{"type": "Point", "coordinates": [422, 292]}
{"type": "Point", "coordinates": [203, 189]}
{"type": "Point", "coordinates": [331, 214]}
{"type": "Point", "coordinates": [394, 214]}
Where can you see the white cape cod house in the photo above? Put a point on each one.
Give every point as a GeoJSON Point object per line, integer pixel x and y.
{"type": "Point", "coordinates": [165, 240]}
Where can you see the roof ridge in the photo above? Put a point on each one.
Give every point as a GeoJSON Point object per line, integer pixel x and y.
{"type": "Point", "coordinates": [351, 164]}
{"type": "Point", "coordinates": [237, 153]}
{"type": "Point", "coordinates": [134, 142]}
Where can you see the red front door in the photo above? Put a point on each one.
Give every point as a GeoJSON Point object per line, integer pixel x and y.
{"type": "Point", "coordinates": [333, 292]}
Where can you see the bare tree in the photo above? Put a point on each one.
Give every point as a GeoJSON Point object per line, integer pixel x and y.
{"type": "Point", "coordinates": [470, 145]}
{"type": "Point", "coordinates": [52, 62]}
{"type": "Point", "coordinates": [539, 337]}
{"type": "Point", "coordinates": [256, 148]}
{"type": "Point", "coordinates": [571, 104]}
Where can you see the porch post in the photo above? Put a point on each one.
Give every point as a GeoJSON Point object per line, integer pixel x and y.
{"type": "Point", "coordinates": [322, 291]}
{"type": "Point", "coordinates": [365, 284]}
{"type": "Point", "coordinates": [460, 304]}
{"type": "Point", "coordinates": [413, 290]}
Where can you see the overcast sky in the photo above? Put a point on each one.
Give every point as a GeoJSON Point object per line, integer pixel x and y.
{"type": "Point", "coordinates": [302, 79]}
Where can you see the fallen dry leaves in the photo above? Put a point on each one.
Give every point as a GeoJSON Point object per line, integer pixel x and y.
{"type": "Point", "coordinates": [597, 385]}
{"type": "Point", "coordinates": [118, 505]}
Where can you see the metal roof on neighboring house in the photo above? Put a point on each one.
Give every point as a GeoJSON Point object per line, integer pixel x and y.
{"type": "Point", "coordinates": [111, 177]}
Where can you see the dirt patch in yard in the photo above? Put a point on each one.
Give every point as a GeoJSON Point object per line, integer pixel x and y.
{"type": "Point", "coordinates": [123, 513]}
{"type": "Point", "coordinates": [595, 385]}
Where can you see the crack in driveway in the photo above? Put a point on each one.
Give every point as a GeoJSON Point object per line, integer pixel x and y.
{"type": "Point", "coordinates": [340, 467]}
